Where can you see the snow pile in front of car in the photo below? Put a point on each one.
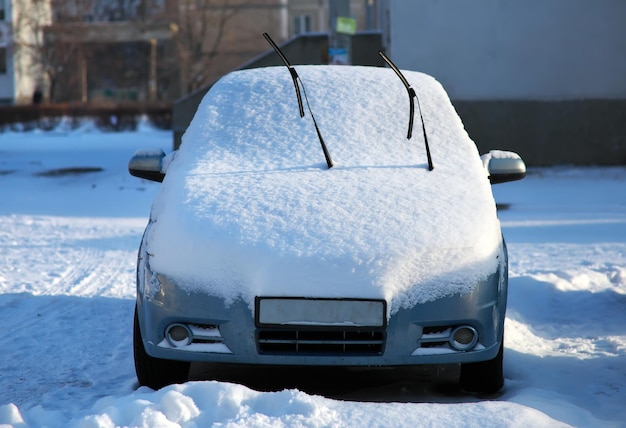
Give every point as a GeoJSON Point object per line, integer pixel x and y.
{"type": "Point", "coordinates": [248, 207]}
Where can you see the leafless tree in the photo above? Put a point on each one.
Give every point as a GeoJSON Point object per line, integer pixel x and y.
{"type": "Point", "coordinates": [200, 32]}
{"type": "Point", "coordinates": [63, 60]}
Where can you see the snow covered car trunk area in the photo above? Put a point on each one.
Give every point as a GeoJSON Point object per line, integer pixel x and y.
{"type": "Point", "coordinates": [258, 252]}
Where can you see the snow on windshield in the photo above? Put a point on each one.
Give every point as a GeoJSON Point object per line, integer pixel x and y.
{"type": "Point", "coordinates": [249, 207]}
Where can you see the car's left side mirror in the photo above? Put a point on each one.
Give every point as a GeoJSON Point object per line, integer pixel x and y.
{"type": "Point", "coordinates": [147, 164]}
{"type": "Point", "coordinates": [503, 166]}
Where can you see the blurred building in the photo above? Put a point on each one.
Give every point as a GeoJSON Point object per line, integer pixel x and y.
{"type": "Point", "coordinates": [144, 50]}
{"type": "Point", "coordinates": [314, 16]}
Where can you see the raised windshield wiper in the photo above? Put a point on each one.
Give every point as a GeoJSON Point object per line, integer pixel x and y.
{"type": "Point", "coordinates": [412, 95]}
{"type": "Point", "coordinates": [296, 79]}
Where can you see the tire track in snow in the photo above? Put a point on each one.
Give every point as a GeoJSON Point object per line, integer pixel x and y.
{"type": "Point", "coordinates": [71, 256]}
{"type": "Point", "coordinates": [97, 272]}
{"type": "Point", "coordinates": [81, 263]}
{"type": "Point", "coordinates": [92, 335]}
{"type": "Point", "coordinates": [73, 278]}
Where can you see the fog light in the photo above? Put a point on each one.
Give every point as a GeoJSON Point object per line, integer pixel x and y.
{"type": "Point", "coordinates": [463, 338]}
{"type": "Point", "coordinates": [178, 335]}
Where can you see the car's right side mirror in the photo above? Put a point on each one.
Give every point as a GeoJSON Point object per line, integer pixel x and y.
{"type": "Point", "coordinates": [504, 166]}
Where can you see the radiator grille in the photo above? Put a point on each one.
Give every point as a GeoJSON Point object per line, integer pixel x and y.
{"type": "Point", "coordinates": [330, 342]}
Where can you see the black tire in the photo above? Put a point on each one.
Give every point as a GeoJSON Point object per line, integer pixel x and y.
{"type": "Point", "coordinates": [155, 372]}
{"type": "Point", "coordinates": [484, 377]}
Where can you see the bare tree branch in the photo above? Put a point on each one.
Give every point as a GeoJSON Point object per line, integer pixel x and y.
{"type": "Point", "coordinates": [201, 29]}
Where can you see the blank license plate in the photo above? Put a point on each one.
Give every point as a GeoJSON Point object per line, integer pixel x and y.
{"type": "Point", "coordinates": [324, 312]}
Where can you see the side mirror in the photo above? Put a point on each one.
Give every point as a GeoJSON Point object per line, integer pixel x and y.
{"type": "Point", "coordinates": [147, 164]}
{"type": "Point", "coordinates": [504, 166]}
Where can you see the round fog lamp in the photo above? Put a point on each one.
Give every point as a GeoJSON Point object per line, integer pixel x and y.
{"type": "Point", "coordinates": [178, 335]}
{"type": "Point", "coordinates": [464, 338]}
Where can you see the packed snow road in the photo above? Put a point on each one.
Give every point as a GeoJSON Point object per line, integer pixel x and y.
{"type": "Point", "coordinates": [68, 243]}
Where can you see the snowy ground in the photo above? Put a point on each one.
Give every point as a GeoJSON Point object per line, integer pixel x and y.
{"type": "Point", "coordinates": [68, 247]}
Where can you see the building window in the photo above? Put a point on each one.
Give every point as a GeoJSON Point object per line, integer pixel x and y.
{"type": "Point", "coordinates": [3, 60]}
{"type": "Point", "coordinates": [301, 24]}
{"type": "Point", "coordinates": [2, 12]}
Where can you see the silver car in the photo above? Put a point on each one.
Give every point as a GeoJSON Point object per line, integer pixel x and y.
{"type": "Point", "coordinates": [344, 226]}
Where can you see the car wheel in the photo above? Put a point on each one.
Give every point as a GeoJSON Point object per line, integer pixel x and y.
{"type": "Point", "coordinates": [483, 377]}
{"type": "Point", "coordinates": [155, 372]}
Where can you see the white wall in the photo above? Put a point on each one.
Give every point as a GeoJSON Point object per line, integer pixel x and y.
{"type": "Point", "coordinates": [514, 49]}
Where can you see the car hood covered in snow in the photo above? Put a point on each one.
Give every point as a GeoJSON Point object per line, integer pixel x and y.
{"type": "Point", "coordinates": [249, 208]}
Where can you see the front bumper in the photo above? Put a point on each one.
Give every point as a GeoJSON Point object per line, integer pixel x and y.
{"type": "Point", "coordinates": [229, 334]}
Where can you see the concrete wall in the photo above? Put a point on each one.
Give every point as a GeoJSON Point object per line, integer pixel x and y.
{"type": "Point", "coordinates": [515, 49]}
{"type": "Point", "coordinates": [546, 78]}
{"type": "Point", "coordinates": [547, 133]}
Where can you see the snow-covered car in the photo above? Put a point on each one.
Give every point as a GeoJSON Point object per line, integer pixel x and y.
{"type": "Point", "coordinates": [325, 240]}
